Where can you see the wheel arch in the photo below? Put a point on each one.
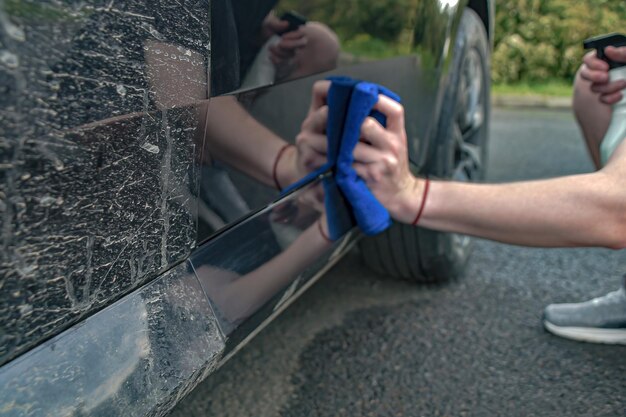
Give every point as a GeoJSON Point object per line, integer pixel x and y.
{"type": "Point", "coordinates": [486, 11]}
{"type": "Point", "coordinates": [442, 256]}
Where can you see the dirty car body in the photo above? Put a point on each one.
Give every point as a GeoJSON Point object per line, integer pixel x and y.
{"type": "Point", "coordinates": [125, 235]}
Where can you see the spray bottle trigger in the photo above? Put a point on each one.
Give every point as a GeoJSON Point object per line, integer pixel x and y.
{"type": "Point", "coordinates": [601, 42]}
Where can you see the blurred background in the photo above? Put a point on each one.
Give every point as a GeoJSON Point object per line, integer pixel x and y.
{"type": "Point", "coordinates": [538, 43]}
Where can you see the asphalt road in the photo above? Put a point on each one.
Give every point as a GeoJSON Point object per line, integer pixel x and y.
{"type": "Point", "coordinates": [358, 344]}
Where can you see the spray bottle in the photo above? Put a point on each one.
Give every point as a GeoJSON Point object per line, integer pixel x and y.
{"type": "Point", "coordinates": [617, 71]}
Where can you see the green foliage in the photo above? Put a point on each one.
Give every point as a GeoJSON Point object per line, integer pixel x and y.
{"type": "Point", "coordinates": [535, 40]}
{"type": "Point", "coordinates": [382, 20]}
{"type": "Point", "coordinates": [508, 57]}
{"type": "Point", "coordinates": [365, 45]}
{"type": "Point", "coordinates": [551, 88]}
{"type": "Point", "coordinates": [32, 10]}
{"type": "Point", "coordinates": [538, 40]}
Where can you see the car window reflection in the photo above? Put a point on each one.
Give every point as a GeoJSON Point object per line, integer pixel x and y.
{"type": "Point", "coordinates": [255, 45]}
{"type": "Point", "coordinates": [235, 152]}
{"type": "Point", "coordinates": [248, 266]}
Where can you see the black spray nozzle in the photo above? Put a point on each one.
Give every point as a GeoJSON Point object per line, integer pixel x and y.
{"type": "Point", "coordinates": [601, 42]}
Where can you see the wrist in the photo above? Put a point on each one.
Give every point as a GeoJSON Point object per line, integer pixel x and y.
{"type": "Point", "coordinates": [283, 172]}
{"type": "Point", "coordinates": [322, 225]}
{"type": "Point", "coordinates": [412, 201]}
{"type": "Point", "coordinates": [268, 28]}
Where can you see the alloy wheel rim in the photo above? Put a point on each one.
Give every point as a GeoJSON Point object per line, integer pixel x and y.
{"type": "Point", "coordinates": [469, 120]}
{"type": "Point", "coordinates": [467, 129]}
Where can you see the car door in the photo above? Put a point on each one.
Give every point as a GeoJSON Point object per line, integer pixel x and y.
{"type": "Point", "coordinates": [139, 247]}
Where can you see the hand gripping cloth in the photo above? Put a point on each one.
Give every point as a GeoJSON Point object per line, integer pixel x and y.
{"type": "Point", "coordinates": [347, 198]}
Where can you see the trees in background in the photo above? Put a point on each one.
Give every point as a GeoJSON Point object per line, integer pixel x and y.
{"type": "Point", "coordinates": [535, 40]}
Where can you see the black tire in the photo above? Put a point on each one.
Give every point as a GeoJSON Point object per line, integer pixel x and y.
{"type": "Point", "coordinates": [459, 153]}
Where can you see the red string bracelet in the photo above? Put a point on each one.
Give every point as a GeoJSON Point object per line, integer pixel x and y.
{"type": "Point", "coordinates": [275, 168]}
{"type": "Point", "coordinates": [421, 210]}
{"type": "Point", "coordinates": [321, 228]}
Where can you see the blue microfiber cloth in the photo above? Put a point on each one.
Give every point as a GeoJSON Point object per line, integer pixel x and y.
{"type": "Point", "coordinates": [349, 103]}
{"type": "Point", "coordinates": [371, 217]}
{"type": "Point", "coordinates": [338, 211]}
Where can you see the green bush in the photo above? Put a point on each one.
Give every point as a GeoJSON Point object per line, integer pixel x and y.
{"type": "Point", "coordinates": [508, 57]}
{"type": "Point", "coordinates": [382, 19]}
{"type": "Point", "coordinates": [541, 40]}
{"type": "Point", "coordinates": [535, 40]}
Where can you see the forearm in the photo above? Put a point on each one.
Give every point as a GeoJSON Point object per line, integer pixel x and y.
{"type": "Point", "coordinates": [582, 210]}
{"type": "Point", "coordinates": [249, 292]}
{"type": "Point", "coordinates": [236, 138]}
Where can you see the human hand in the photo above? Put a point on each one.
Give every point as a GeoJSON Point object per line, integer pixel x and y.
{"type": "Point", "coordinates": [311, 146]}
{"type": "Point", "coordinates": [381, 160]}
{"type": "Point", "coordinates": [299, 212]}
{"type": "Point", "coordinates": [283, 52]}
{"type": "Point", "coordinates": [271, 26]}
{"type": "Point", "coordinates": [311, 142]}
{"type": "Point", "coordinates": [596, 71]}
{"type": "Point", "coordinates": [314, 198]}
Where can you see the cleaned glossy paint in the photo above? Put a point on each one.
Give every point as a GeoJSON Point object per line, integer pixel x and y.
{"type": "Point", "coordinates": [278, 105]}
{"type": "Point", "coordinates": [268, 257]}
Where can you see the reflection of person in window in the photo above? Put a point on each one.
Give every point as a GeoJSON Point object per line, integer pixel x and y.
{"type": "Point", "coordinates": [247, 33]}
{"type": "Point", "coordinates": [242, 30]}
{"type": "Point", "coordinates": [237, 296]}
{"type": "Point", "coordinates": [234, 137]}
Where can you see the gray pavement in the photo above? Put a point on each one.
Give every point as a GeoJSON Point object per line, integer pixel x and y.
{"type": "Point", "coordinates": [531, 101]}
{"type": "Point", "coordinates": [358, 344]}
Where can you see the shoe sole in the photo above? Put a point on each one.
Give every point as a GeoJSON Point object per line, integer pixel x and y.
{"type": "Point", "coordinates": [588, 334]}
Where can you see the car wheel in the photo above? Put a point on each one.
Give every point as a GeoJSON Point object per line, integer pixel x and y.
{"type": "Point", "coordinates": [458, 153]}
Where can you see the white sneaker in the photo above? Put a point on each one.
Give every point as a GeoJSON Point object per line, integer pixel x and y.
{"type": "Point", "coordinates": [601, 320]}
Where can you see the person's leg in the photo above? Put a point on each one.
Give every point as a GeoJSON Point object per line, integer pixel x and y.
{"type": "Point", "coordinates": [593, 117]}
{"type": "Point", "coordinates": [600, 320]}
{"type": "Point", "coordinates": [603, 319]}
